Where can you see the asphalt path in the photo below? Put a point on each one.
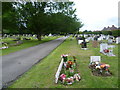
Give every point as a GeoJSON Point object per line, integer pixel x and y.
{"type": "Point", "coordinates": [15, 64]}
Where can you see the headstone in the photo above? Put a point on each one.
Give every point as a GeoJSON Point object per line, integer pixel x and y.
{"type": "Point", "coordinates": [87, 40]}
{"type": "Point", "coordinates": [19, 42]}
{"type": "Point", "coordinates": [117, 40]}
{"type": "Point", "coordinates": [111, 50]}
{"type": "Point", "coordinates": [104, 38]}
{"type": "Point", "coordinates": [80, 41]}
{"type": "Point", "coordinates": [98, 68]}
{"type": "Point", "coordinates": [84, 44]}
{"type": "Point", "coordinates": [26, 39]}
{"type": "Point", "coordinates": [111, 53]}
{"type": "Point", "coordinates": [30, 35]}
{"type": "Point", "coordinates": [4, 45]}
{"type": "Point", "coordinates": [107, 37]}
{"type": "Point", "coordinates": [18, 35]}
{"type": "Point", "coordinates": [107, 49]}
{"type": "Point", "coordinates": [103, 46]}
{"type": "Point", "coordinates": [8, 36]}
{"type": "Point", "coordinates": [100, 38]}
{"type": "Point", "coordinates": [58, 71]}
{"type": "Point", "coordinates": [50, 34]}
{"type": "Point", "coordinates": [13, 36]}
{"type": "Point", "coordinates": [95, 59]}
{"type": "Point", "coordinates": [110, 41]}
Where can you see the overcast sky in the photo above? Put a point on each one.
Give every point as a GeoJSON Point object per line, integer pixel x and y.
{"type": "Point", "coordinates": [97, 14]}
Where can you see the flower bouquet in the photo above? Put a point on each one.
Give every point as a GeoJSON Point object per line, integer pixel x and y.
{"type": "Point", "coordinates": [100, 69]}
{"type": "Point", "coordinates": [64, 56]}
{"type": "Point", "coordinates": [106, 51]}
{"type": "Point", "coordinates": [69, 73]}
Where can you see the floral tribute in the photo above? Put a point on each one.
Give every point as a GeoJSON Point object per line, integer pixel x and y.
{"type": "Point", "coordinates": [100, 69]}
{"type": "Point", "coordinates": [69, 73]}
{"type": "Point", "coordinates": [106, 51]}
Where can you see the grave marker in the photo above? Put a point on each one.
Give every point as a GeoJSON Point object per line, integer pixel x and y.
{"type": "Point", "coordinates": [110, 41]}
{"type": "Point", "coordinates": [103, 46]}
{"type": "Point", "coordinates": [117, 40]}
{"type": "Point", "coordinates": [58, 71]}
{"type": "Point", "coordinates": [80, 41]}
{"type": "Point", "coordinates": [95, 59]}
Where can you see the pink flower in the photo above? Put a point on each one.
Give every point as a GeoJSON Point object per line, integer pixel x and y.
{"type": "Point", "coordinates": [62, 76]}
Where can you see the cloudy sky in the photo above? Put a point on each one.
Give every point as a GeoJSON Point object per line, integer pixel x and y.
{"type": "Point", "coordinates": [97, 14]}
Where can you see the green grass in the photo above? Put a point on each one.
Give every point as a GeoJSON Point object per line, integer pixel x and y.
{"type": "Point", "coordinates": [42, 74]}
{"type": "Point", "coordinates": [26, 44]}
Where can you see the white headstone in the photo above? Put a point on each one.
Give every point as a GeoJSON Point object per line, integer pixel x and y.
{"type": "Point", "coordinates": [100, 38]}
{"type": "Point", "coordinates": [87, 40]}
{"type": "Point", "coordinates": [103, 46]}
{"type": "Point", "coordinates": [117, 40]}
{"type": "Point", "coordinates": [58, 71]}
{"type": "Point", "coordinates": [110, 41]}
{"type": "Point", "coordinates": [50, 34]}
{"type": "Point", "coordinates": [80, 41]}
{"type": "Point", "coordinates": [111, 53]}
{"type": "Point", "coordinates": [95, 59]}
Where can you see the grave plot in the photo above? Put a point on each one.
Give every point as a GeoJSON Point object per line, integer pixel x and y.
{"type": "Point", "coordinates": [83, 42]}
{"type": "Point", "coordinates": [67, 72]}
{"type": "Point", "coordinates": [80, 41]}
{"type": "Point", "coordinates": [107, 49]}
{"type": "Point", "coordinates": [84, 45]}
{"type": "Point", "coordinates": [98, 68]}
{"type": "Point", "coordinates": [111, 40]}
{"type": "Point", "coordinates": [19, 42]}
{"type": "Point", "coordinates": [3, 45]}
{"type": "Point", "coordinates": [95, 43]}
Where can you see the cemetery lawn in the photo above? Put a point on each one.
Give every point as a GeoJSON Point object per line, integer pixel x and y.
{"type": "Point", "coordinates": [42, 75]}
{"type": "Point", "coordinates": [26, 44]}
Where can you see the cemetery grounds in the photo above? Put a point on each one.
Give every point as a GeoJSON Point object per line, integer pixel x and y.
{"type": "Point", "coordinates": [42, 75]}
{"type": "Point", "coordinates": [25, 44]}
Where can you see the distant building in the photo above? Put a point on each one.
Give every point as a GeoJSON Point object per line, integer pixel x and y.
{"type": "Point", "coordinates": [119, 28]}
{"type": "Point", "coordinates": [110, 28]}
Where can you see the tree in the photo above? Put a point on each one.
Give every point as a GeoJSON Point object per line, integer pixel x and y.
{"type": "Point", "coordinates": [46, 17]}
{"type": "Point", "coordinates": [115, 33]}
{"type": "Point", "coordinates": [64, 24]}
{"type": "Point", "coordinates": [9, 21]}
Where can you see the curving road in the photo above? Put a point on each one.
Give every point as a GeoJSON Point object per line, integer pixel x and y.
{"type": "Point", "coordinates": [15, 64]}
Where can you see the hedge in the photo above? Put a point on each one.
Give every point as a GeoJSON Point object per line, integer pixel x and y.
{"type": "Point", "coordinates": [114, 33]}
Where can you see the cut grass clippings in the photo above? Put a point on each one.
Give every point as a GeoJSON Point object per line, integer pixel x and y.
{"type": "Point", "coordinates": [42, 75]}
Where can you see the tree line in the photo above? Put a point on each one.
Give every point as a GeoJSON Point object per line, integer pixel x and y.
{"type": "Point", "coordinates": [39, 18]}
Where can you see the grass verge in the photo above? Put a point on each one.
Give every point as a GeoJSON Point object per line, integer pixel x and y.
{"type": "Point", "coordinates": [26, 44]}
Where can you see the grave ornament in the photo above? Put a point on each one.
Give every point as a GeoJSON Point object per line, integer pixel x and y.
{"type": "Point", "coordinates": [4, 45]}
{"type": "Point", "coordinates": [107, 49]}
{"type": "Point", "coordinates": [98, 68]}
{"type": "Point", "coordinates": [84, 45]}
{"type": "Point", "coordinates": [69, 73]}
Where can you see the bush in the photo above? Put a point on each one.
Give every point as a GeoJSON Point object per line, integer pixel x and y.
{"type": "Point", "coordinates": [107, 32]}
{"type": "Point", "coordinates": [116, 33]}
